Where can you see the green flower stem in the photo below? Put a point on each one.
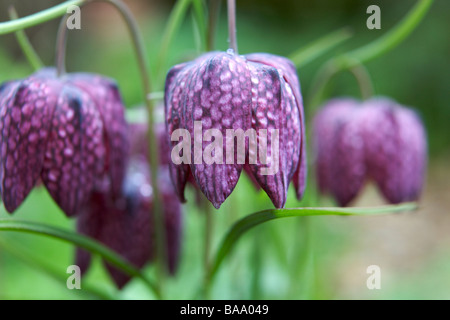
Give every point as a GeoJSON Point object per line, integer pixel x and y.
{"type": "Point", "coordinates": [252, 220]}
{"type": "Point", "coordinates": [78, 240]}
{"type": "Point", "coordinates": [393, 37]}
{"type": "Point", "coordinates": [25, 44]}
{"type": "Point", "coordinates": [303, 262]}
{"type": "Point", "coordinates": [231, 5]}
{"type": "Point", "coordinates": [317, 48]}
{"type": "Point", "coordinates": [61, 45]}
{"type": "Point", "coordinates": [24, 255]}
{"type": "Point", "coordinates": [356, 58]}
{"type": "Point", "coordinates": [364, 80]}
{"type": "Point", "coordinates": [208, 235]}
{"type": "Point", "coordinates": [38, 18]}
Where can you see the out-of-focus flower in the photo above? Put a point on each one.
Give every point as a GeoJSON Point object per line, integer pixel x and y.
{"type": "Point", "coordinates": [68, 131]}
{"type": "Point", "coordinates": [225, 91]}
{"type": "Point", "coordinates": [379, 139]}
{"type": "Point", "coordinates": [125, 223]}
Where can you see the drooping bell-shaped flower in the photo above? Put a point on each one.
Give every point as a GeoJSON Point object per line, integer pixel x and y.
{"type": "Point", "coordinates": [125, 223]}
{"type": "Point", "coordinates": [378, 140]}
{"type": "Point", "coordinates": [231, 111]}
{"type": "Point", "coordinates": [68, 131]}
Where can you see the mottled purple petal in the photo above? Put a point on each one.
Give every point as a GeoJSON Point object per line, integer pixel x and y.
{"type": "Point", "coordinates": [288, 71]}
{"type": "Point", "coordinates": [274, 107]}
{"type": "Point", "coordinates": [218, 95]}
{"type": "Point", "coordinates": [26, 110]}
{"type": "Point", "coordinates": [106, 96]}
{"type": "Point", "coordinates": [347, 167]}
{"type": "Point", "coordinates": [174, 101]}
{"type": "Point", "coordinates": [395, 149]}
{"type": "Point", "coordinates": [75, 152]}
{"type": "Point", "coordinates": [324, 128]}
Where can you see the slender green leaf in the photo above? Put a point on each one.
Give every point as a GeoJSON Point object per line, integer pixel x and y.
{"type": "Point", "coordinates": [199, 9]}
{"type": "Point", "coordinates": [252, 220]}
{"type": "Point", "coordinates": [79, 240]}
{"type": "Point", "coordinates": [23, 254]}
{"type": "Point", "coordinates": [319, 47]}
{"type": "Point", "coordinates": [173, 25]}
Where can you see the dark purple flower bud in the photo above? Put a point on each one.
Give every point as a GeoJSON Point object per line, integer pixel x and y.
{"type": "Point", "coordinates": [380, 140]}
{"type": "Point", "coordinates": [226, 92]}
{"type": "Point", "coordinates": [125, 224]}
{"type": "Point", "coordinates": [68, 134]}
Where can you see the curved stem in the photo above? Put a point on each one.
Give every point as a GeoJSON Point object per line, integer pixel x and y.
{"type": "Point", "coordinates": [79, 240]}
{"type": "Point", "coordinates": [61, 45]}
{"type": "Point", "coordinates": [370, 51]}
{"type": "Point", "coordinates": [319, 84]}
{"type": "Point", "coordinates": [38, 18]}
{"type": "Point", "coordinates": [232, 25]}
{"type": "Point", "coordinates": [365, 84]}
{"type": "Point", "coordinates": [252, 220]}
{"type": "Point", "coordinates": [395, 36]}
{"type": "Point", "coordinates": [25, 45]}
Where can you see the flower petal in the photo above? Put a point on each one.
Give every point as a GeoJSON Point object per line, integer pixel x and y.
{"type": "Point", "coordinates": [174, 101]}
{"type": "Point", "coordinates": [75, 152]}
{"type": "Point", "coordinates": [395, 149]}
{"type": "Point", "coordinates": [106, 96]}
{"type": "Point", "coordinates": [324, 130]}
{"type": "Point", "coordinates": [219, 95]}
{"type": "Point", "coordinates": [26, 111]}
{"type": "Point", "coordinates": [288, 71]}
{"type": "Point", "coordinates": [274, 108]}
{"type": "Point", "coordinates": [347, 168]}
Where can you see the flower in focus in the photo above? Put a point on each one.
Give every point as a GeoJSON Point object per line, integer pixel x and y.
{"type": "Point", "coordinates": [377, 140]}
{"type": "Point", "coordinates": [125, 223]}
{"type": "Point", "coordinates": [68, 131]}
{"type": "Point", "coordinates": [226, 91]}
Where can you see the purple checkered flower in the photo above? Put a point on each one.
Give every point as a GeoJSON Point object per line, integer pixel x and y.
{"type": "Point", "coordinates": [68, 131]}
{"type": "Point", "coordinates": [125, 224]}
{"type": "Point", "coordinates": [378, 140]}
{"type": "Point", "coordinates": [225, 91]}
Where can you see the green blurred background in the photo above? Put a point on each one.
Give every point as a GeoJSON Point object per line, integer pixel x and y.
{"type": "Point", "coordinates": [318, 257]}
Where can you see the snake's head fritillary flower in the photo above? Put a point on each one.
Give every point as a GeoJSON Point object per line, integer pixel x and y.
{"type": "Point", "coordinates": [125, 224]}
{"type": "Point", "coordinates": [395, 148]}
{"type": "Point", "coordinates": [378, 140]}
{"type": "Point", "coordinates": [66, 130]}
{"type": "Point", "coordinates": [220, 92]}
